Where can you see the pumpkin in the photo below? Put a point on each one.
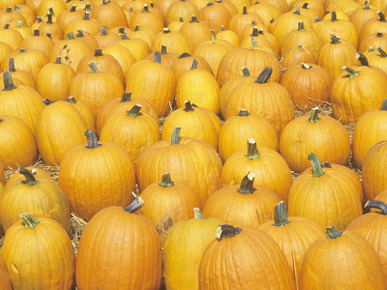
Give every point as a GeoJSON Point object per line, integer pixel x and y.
{"type": "Point", "coordinates": [85, 24]}
{"type": "Point", "coordinates": [64, 18]}
{"type": "Point", "coordinates": [228, 35]}
{"type": "Point", "coordinates": [110, 14]}
{"type": "Point", "coordinates": [183, 250]}
{"type": "Point", "coordinates": [204, 94]}
{"type": "Point", "coordinates": [84, 111]}
{"type": "Point", "coordinates": [194, 122]}
{"type": "Point", "coordinates": [357, 91]}
{"type": "Point", "coordinates": [382, 196]}
{"type": "Point", "coordinates": [54, 80]}
{"type": "Point", "coordinates": [160, 85]}
{"type": "Point", "coordinates": [252, 257]}
{"type": "Point", "coordinates": [271, 170]}
{"type": "Point", "coordinates": [53, 7]}
{"type": "Point", "coordinates": [17, 145]}
{"type": "Point", "coordinates": [239, 128]}
{"type": "Point", "coordinates": [39, 197]}
{"type": "Point", "coordinates": [181, 8]}
{"type": "Point", "coordinates": [36, 172]}
{"type": "Point", "coordinates": [105, 38]}
{"type": "Point", "coordinates": [24, 77]}
{"type": "Point", "coordinates": [188, 160]}
{"type": "Point", "coordinates": [174, 40]}
{"type": "Point", "coordinates": [240, 20]}
{"type": "Point", "coordinates": [184, 63]}
{"type": "Point", "coordinates": [122, 54]}
{"type": "Point", "coordinates": [372, 227]}
{"type": "Point", "coordinates": [134, 131]}
{"type": "Point", "coordinates": [323, 135]}
{"type": "Point", "coordinates": [195, 32]}
{"type": "Point", "coordinates": [51, 28]}
{"type": "Point", "coordinates": [167, 203]}
{"type": "Point", "coordinates": [5, 49]}
{"type": "Point", "coordinates": [147, 20]}
{"type": "Point", "coordinates": [38, 241]}
{"type": "Point", "coordinates": [135, 239]}
{"type": "Point", "coordinates": [268, 99]}
{"type": "Point", "coordinates": [11, 17]}
{"type": "Point", "coordinates": [294, 235]}
{"type": "Point", "coordinates": [336, 54]}
{"type": "Point", "coordinates": [11, 37]}
{"type": "Point", "coordinates": [268, 13]}
{"type": "Point", "coordinates": [95, 88]}
{"type": "Point", "coordinates": [296, 55]}
{"type": "Point", "coordinates": [88, 39]}
{"type": "Point", "coordinates": [38, 41]}
{"type": "Point", "coordinates": [215, 15]}
{"type": "Point", "coordinates": [373, 25]}
{"type": "Point", "coordinates": [374, 170]}
{"type": "Point", "coordinates": [96, 176]}
{"type": "Point", "coordinates": [5, 280]}
{"type": "Point", "coordinates": [369, 130]}
{"type": "Point", "coordinates": [330, 195]}
{"type": "Point", "coordinates": [308, 85]}
{"type": "Point", "coordinates": [59, 128]}
{"type": "Point", "coordinates": [228, 203]}
{"type": "Point", "coordinates": [374, 40]}
{"type": "Point", "coordinates": [325, 264]}
{"type": "Point", "coordinates": [361, 15]}
{"type": "Point", "coordinates": [167, 59]}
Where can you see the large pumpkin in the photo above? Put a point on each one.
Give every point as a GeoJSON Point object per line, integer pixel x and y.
{"type": "Point", "coordinates": [188, 160]}
{"type": "Point", "coordinates": [40, 197]}
{"type": "Point", "coordinates": [244, 258]}
{"type": "Point", "coordinates": [184, 248]}
{"type": "Point", "coordinates": [326, 265]}
{"type": "Point", "coordinates": [38, 241]}
{"type": "Point", "coordinates": [132, 261]}
{"type": "Point", "coordinates": [96, 176]}
{"type": "Point", "coordinates": [329, 195]}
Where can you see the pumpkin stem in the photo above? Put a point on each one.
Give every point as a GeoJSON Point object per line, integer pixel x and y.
{"type": "Point", "coordinates": [98, 52]}
{"type": "Point", "coordinates": [135, 111]}
{"type": "Point", "coordinates": [166, 180]}
{"type": "Point", "coordinates": [176, 136]}
{"type": "Point", "coordinates": [316, 165]}
{"type": "Point", "coordinates": [184, 55]}
{"type": "Point", "coordinates": [245, 72]}
{"type": "Point", "coordinates": [124, 36]}
{"type": "Point", "coordinates": [126, 97]}
{"type": "Point", "coordinates": [384, 105]}
{"type": "Point", "coordinates": [30, 178]}
{"type": "Point", "coordinates": [213, 35]}
{"type": "Point", "coordinates": [264, 76]}
{"type": "Point", "coordinates": [326, 165]}
{"type": "Point", "coordinates": [71, 100]}
{"type": "Point", "coordinates": [382, 18]}
{"type": "Point", "coordinates": [379, 34]}
{"type": "Point", "coordinates": [222, 27]}
{"type": "Point", "coordinates": [157, 58]}
{"type": "Point", "coordinates": [198, 214]}
{"type": "Point", "coordinates": [104, 31]}
{"type": "Point", "coordinates": [280, 214]}
{"type": "Point", "coordinates": [332, 233]}
{"type": "Point", "coordinates": [252, 151]}
{"type": "Point", "coordinates": [135, 205]}
{"type": "Point", "coordinates": [194, 64]}
{"type": "Point", "coordinates": [247, 183]}
{"type": "Point", "coordinates": [146, 9]}
{"type": "Point", "coordinates": [254, 42]}
{"type": "Point", "coordinates": [305, 5]}
{"type": "Point", "coordinates": [47, 101]}
{"type": "Point", "coordinates": [188, 106]}
{"type": "Point", "coordinates": [351, 72]}
{"type": "Point", "coordinates": [121, 30]}
{"type": "Point", "coordinates": [244, 10]}
{"type": "Point", "coordinates": [363, 59]}
{"type": "Point", "coordinates": [136, 28]}
{"type": "Point", "coordinates": [166, 30]}
{"type": "Point", "coordinates": [11, 65]}
{"type": "Point", "coordinates": [335, 39]}
{"type": "Point", "coordinates": [36, 32]}
{"type": "Point", "coordinates": [58, 60]}
{"type": "Point", "coordinates": [49, 18]}
{"type": "Point", "coordinates": [163, 49]}
{"type": "Point", "coordinates": [382, 52]}
{"type": "Point", "coordinates": [87, 15]}
{"type": "Point", "coordinates": [193, 19]}
{"type": "Point", "coordinates": [70, 36]}
{"type": "Point", "coordinates": [28, 220]}
{"type": "Point", "coordinates": [301, 26]}
{"type": "Point", "coordinates": [297, 11]}
{"type": "Point", "coordinates": [93, 67]}
{"type": "Point", "coordinates": [306, 66]}
{"type": "Point", "coordinates": [73, 8]}
{"type": "Point", "coordinates": [243, 113]}
{"type": "Point", "coordinates": [181, 19]}
{"type": "Point", "coordinates": [333, 16]}
{"type": "Point", "coordinates": [226, 231]}
{"type": "Point", "coordinates": [314, 115]}
{"type": "Point", "coordinates": [254, 33]}
{"type": "Point", "coordinates": [8, 81]}
{"type": "Point", "coordinates": [92, 140]}
{"type": "Point", "coordinates": [376, 204]}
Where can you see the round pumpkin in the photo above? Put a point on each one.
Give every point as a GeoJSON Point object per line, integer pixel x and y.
{"type": "Point", "coordinates": [5, 280]}
{"type": "Point", "coordinates": [36, 172]}
{"type": "Point", "coordinates": [38, 241]}
{"type": "Point", "coordinates": [135, 239]}
{"type": "Point", "coordinates": [85, 112]}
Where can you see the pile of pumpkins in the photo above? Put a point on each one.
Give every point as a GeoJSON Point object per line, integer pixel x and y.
{"type": "Point", "coordinates": [173, 123]}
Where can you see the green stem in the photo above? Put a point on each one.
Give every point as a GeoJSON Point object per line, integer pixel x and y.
{"type": "Point", "coordinates": [36, 32]}
{"type": "Point", "coordinates": [11, 65]}
{"type": "Point", "coordinates": [188, 106]}
{"type": "Point", "coordinates": [194, 64]}
{"type": "Point", "coordinates": [381, 16]}
{"type": "Point", "coordinates": [70, 36]}
{"type": "Point", "coordinates": [193, 19]}
{"type": "Point", "coordinates": [135, 111]}
{"type": "Point", "coordinates": [8, 81]}
{"type": "Point", "coordinates": [58, 60]}
{"type": "Point", "coordinates": [87, 15]}
{"type": "Point", "coordinates": [382, 206]}
{"type": "Point", "coordinates": [166, 180]}
{"type": "Point", "coordinates": [306, 66]}
{"type": "Point", "coordinates": [163, 49]}
{"type": "Point", "coordinates": [47, 101]}
{"type": "Point", "coordinates": [244, 10]}
{"type": "Point", "coordinates": [184, 55]}
{"type": "Point", "coordinates": [363, 59]}
{"type": "Point", "coordinates": [351, 72]}
{"type": "Point", "coordinates": [175, 139]}
{"type": "Point", "coordinates": [379, 34]}
{"type": "Point", "coordinates": [71, 100]}
{"type": "Point", "coordinates": [30, 178]}
{"type": "Point", "coordinates": [264, 76]}
{"type": "Point", "coordinates": [92, 140]}
{"type": "Point", "coordinates": [49, 19]}
{"type": "Point", "coordinates": [297, 11]}
{"type": "Point", "coordinates": [146, 9]}
{"type": "Point", "coordinates": [245, 71]}
{"type": "Point", "coordinates": [313, 118]}
{"type": "Point", "coordinates": [157, 57]}
{"type": "Point", "coordinates": [305, 6]}
{"type": "Point", "coordinates": [93, 67]}
{"type": "Point", "coordinates": [226, 231]}
{"type": "Point", "coordinates": [384, 105]}
{"type": "Point", "coordinates": [243, 113]}
{"type": "Point", "coordinates": [252, 151]}
{"type": "Point", "coordinates": [332, 233]}
{"type": "Point", "coordinates": [124, 36]}
{"type": "Point", "coordinates": [335, 39]}
{"type": "Point", "coordinates": [382, 53]}
{"type": "Point", "coordinates": [301, 26]}
{"type": "Point", "coordinates": [280, 214]}
{"type": "Point", "coordinates": [73, 8]}
{"type": "Point", "coordinates": [316, 165]}
{"type": "Point", "coordinates": [254, 33]}
{"type": "Point", "coordinates": [29, 221]}
{"type": "Point", "coordinates": [126, 97]}
{"type": "Point", "coordinates": [333, 16]}
{"type": "Point", "coordinates": [198, 214]}
{"type": "Point", "coordinates": [135, 205]}
{"type": "Point", "coordinates": [104, 31]}
{"type": "Point", "coordinates": [247, 183]}
{"type": "Point", "coordinates": [98, 52]}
